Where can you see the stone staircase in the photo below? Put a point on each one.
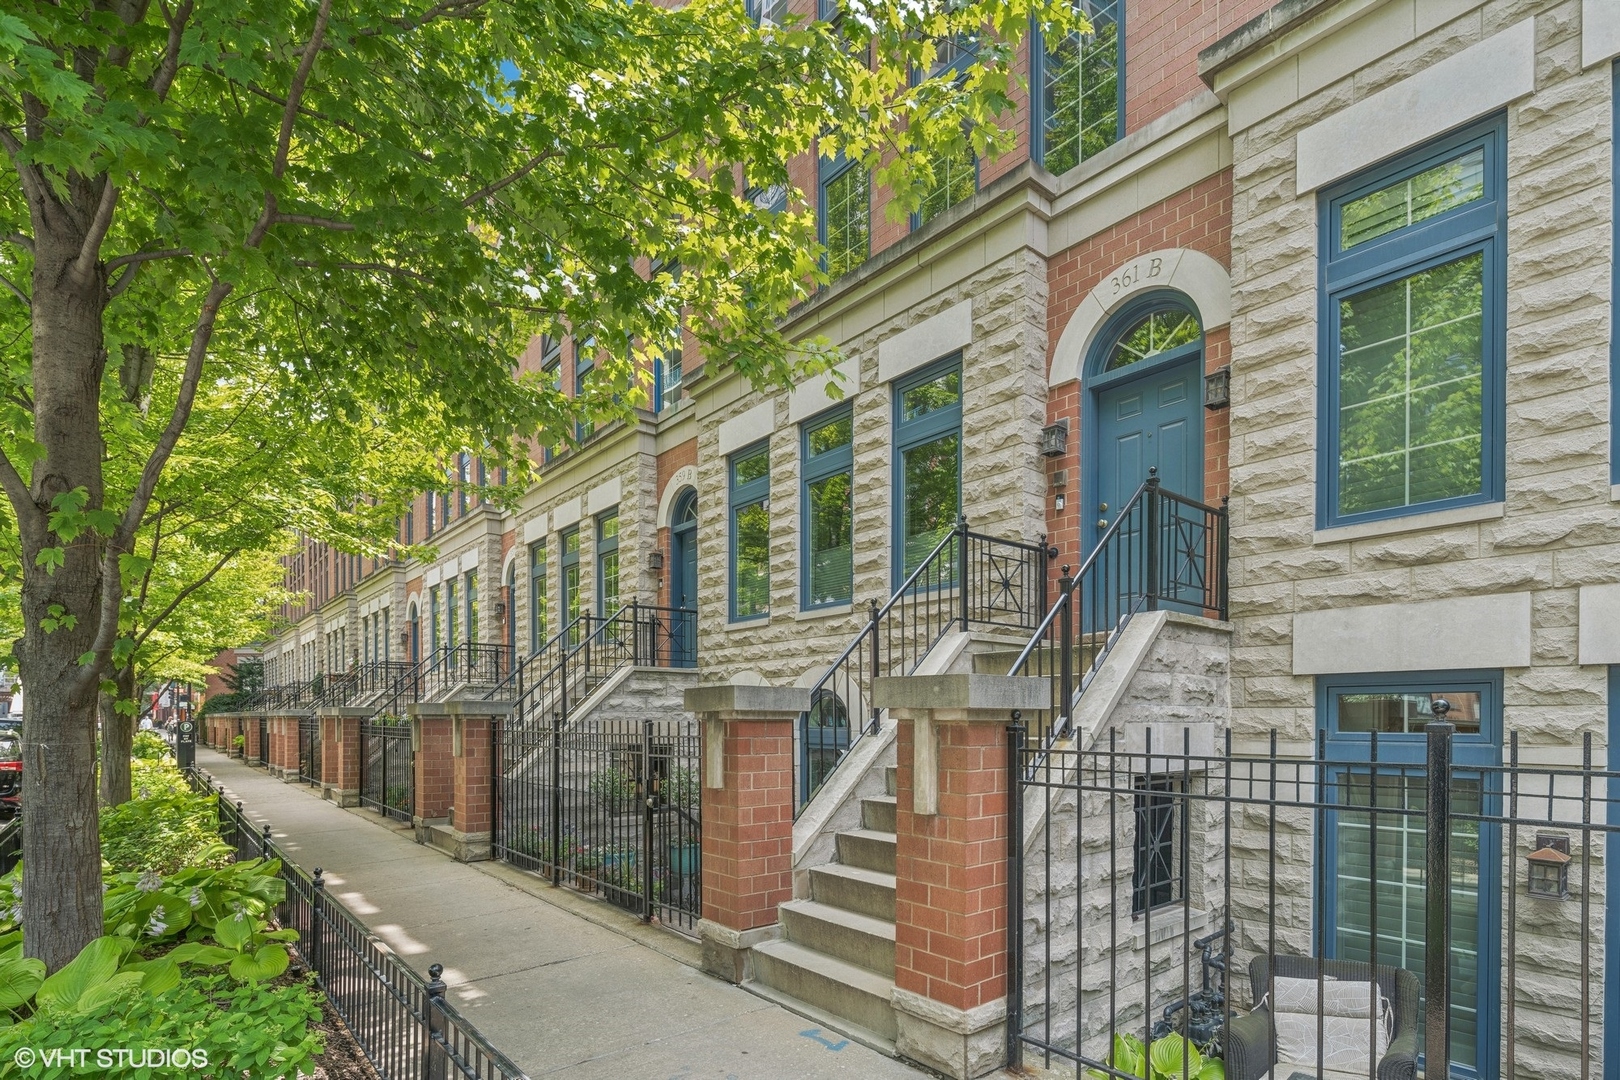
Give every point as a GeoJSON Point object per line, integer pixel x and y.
{"type": "Point", "coordinates": [835, 960]}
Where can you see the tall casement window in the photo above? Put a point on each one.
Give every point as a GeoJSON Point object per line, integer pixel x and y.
{"type": "Point", "coordinates": [750, 503]}
{"type": "Point", "coordinates": [1081, 104]}
{"type": "Point", "coordinates": [550, 372]}
{"type": "Point", "coordinates": [927, 461]}
{"type": "Point", "coordinates": [607, 563]}
{"type": "Point", "coordinates": [432, 499]}
{"type": "Point", "coordinates": [828, 509]}
{"type": "Point", "coordinates": [463, 481]}
{"type": "Point", "coordinates": [956, 174]}
{"type": "Point", "coordinates": [387, 647]}
{"type": "Point", "coordinates": [845, 215]}
{"type": "Point", "coordinates": [433, 620]}
{"type": "Point", "coordinates": [1161, 844]}
{"type": "Point", "coordinates": [570, 580]}
{"type": "Point", "coordinates": [666, 368]}
{"type": "Point", "coordinates": [768, 12]}
{"type": "Point", "coordinates": [1372, 870]}
{"type": "Point", "coordinates": [452, 613]}
{"type": "Point", "coordinates": [537, 595]}
{"type": "Point", "coordinates": [472, 605]}
{"type": "Point", "coordinates": [584, 364]}
{"type": "Point", "coordinates": [1414, 292]}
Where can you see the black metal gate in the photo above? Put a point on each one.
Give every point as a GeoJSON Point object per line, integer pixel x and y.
{"type": "Point", "coordinates": [387, 780]}
{"type": "Point", "coordinates": [1188, 891]}
{"type": "Point", "coordinates": [607, 806]}
{"type": "Point", "coordinates": [309, 749]}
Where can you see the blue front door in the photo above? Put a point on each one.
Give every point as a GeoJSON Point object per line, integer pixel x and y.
{"type": "Point", "coordinates": [683, 582]}
{"type": "Point", "coordinates": [1154, 420]}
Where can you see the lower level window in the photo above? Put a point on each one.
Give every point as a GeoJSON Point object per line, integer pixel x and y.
{"type": "Point", "coordinates": [1161, 838]}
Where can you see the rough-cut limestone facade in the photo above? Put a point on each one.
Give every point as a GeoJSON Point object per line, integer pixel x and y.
{"type": "Point", "coordinates": [1003, 486]}
{"type": "Point", "coordinates": [1069, 905]}
{"type": "Point", "coordinates": [1558, 530]}
{"type": "Point", "coordinates": [636, 471]}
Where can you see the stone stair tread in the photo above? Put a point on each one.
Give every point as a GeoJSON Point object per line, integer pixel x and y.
{"type": "Point", "coordinates": [832, 1021]}
{"type": "Point", "coordinates": [854, 920]}
{"type": "Point", "coordinates": [857, 873]}
{"type": "Point", "coordinates": [858, 978]}
{"type": "Point", "coordinates": [871, 834]}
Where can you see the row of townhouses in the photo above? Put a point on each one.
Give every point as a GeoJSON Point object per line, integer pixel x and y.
{"type": "Point", "coordinates": [1258, 410]}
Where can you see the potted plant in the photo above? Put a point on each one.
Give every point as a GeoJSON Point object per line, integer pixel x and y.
{"type": "Point", "coordinates": [615, 789]}
{"type": "Point", "coordinates": [586, 865]}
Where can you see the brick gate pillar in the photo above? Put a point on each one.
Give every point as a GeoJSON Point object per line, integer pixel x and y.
{"type": "Point", "coordinates": [950, 960]}
{"type": "Point", "coordinates": [470, 832]}
{"type": "Point", "coordinates": [433, 761]}
{"type": "Point", "coordinates": [340, 753]}
{"type": "Point", "coordinates": [250, 741]}
{"type": "Point", "coordinates": [747, 814]}
{"type": "Point", "coordinates": [283, 752]}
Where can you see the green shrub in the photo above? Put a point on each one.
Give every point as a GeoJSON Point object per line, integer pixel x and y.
{"type": "Point", "coordinates": [102, 1001]}
{"type": "Point", "coordinates": [164, 827]}
{"type": "Point", "coordinates": [616, 789]}
{"type": "Point", "coordinates": [1169, 1058]}
{"type": "Point", "coordinates": [149, 746]}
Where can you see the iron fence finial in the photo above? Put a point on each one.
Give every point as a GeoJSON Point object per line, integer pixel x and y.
{"type": "Point", "coordinates": [435, 986]}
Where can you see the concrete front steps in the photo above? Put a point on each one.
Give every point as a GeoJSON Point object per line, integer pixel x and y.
{"type": "Point", "coordinates": [835, 960]}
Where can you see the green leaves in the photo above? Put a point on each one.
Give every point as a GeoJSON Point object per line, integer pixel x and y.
{"type": "Point", "coordinates": [20, 977]}
{"type": "Point", "coordinates": [90, 979]}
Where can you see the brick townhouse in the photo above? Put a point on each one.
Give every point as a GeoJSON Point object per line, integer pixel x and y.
{"type": "Point", "coordinates": [1336, 274]}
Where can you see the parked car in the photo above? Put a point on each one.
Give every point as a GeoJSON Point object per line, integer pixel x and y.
{"type": "Point", "coordinates": [10, 771]}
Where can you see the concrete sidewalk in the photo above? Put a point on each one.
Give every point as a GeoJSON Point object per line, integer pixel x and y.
{"type": "Point", "coordinates": [563, 985]}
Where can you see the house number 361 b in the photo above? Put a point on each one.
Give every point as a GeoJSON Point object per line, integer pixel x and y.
{"type": "Point", "coordinates": [1134, 274]}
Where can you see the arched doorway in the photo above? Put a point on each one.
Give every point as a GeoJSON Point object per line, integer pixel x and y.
{"type": "Point", "coordinates": [823, 738]}
{"type": "Point", "coordinates": [1145, 407]}
{"type": "Point", "coordinates": [683, 575]}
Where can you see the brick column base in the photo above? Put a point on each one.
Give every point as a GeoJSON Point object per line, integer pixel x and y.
{"type": "Point", "coordinates": [747, 813]}
{"type": "Point", "coordinates": [340, 754]}
{"type": "Point", "coordinates": [950, 957]}
{"type": "Point", "coordinates": [250, 740]}
{"type": "Point", "coordinates": [433, 765]}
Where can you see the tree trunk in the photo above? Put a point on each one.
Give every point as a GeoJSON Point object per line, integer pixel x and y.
{"type": "Point", "coordinates": [117, 737]}
{"type": "Point", "coordinates": [61, 844]}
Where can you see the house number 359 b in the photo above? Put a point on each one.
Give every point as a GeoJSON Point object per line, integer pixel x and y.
{"type": "Point", "coordinates": [1134, 274]}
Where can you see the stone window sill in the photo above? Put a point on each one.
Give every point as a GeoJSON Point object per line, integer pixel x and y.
{"type": "Point", "coordinates": [826, 612]}
{"type": "Point", "coordinates": [1436, 519]}
{"type": "Point", "coordinates": [1169, 922]}
{"type": "Point", "coordinates": [738, 625]}
{"type": "Point", "coordinates": [1614, 493]}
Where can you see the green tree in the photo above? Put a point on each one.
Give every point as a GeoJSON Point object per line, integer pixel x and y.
{"type": "Point", "coordinates": [372, 206]}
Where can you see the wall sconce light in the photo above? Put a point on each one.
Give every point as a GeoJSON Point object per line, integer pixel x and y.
{"type": "Point", "coordinates": [1548, 865]}
{"type": "Point", "coordinates": [655, 560]}
{"type": "Point", "coordinates": [1218, 388]}
{"type": "Point", "coordinates": [1055, 439]}
{"type": "Point", "coordinates": [500, 609]}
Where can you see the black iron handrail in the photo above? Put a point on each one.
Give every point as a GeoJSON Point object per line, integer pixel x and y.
{"type": "Point", "coordinates": [969, 579]}
{"type": "Point", "coordinates": [401, 1021]}
{"type": "Point", "coordinates": [1163, 548]}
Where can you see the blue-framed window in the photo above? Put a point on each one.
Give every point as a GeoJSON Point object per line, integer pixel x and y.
{"type": "Point", "coordinates": [463, 481]}
{"type": "Point", "coordinates": [584, 364]}
{"type": "Point", "coordinates": [772, 198]}
{"type": "Point", "coordinates": [537, 596]}
{"type": "Point", "coordinates": [1371, 876]}
{"type": "Point", "coordinates": [927, 461]}
{"type": "Point", "coordinates": [1414, 292]}
{"type": "Point", "coordinates": [956, 175]}
{"type": "Point", "coordinates": [452, 613]}
{"type": "Point", "coordinates": [666, 368]}
{"type": "Point", "coordinates": [750, 540]}
{"type": "Point", "coordinates": [1614, 339]}
{"type": "Point", "coordinates": [1080, 107]}
{"type": "Point", "coordinates": [607, 563]}
{"type": "Point", "coordinates": [433, 620]}
{"type": "Point", "coordinates": [844, 205]}
{"type": "Point", "coordinates": [569, 567]}
{"type": "Point", "coordinates": [551, 373]}
{"type": "Point", "coordinates": [470, 584]}
{"type": "Point", "coordinates": [768, 12]}
{"type": "Point", "coordinates": [829, 508]}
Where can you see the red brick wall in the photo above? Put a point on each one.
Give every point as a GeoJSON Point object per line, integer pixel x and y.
{"type": "Point", "coordinates": [340, 753]}
{"type": "Point", "coordinates": [951, 870]}
{"type": "Point", "coordinates": [1162, 41]}
{"type": "Point", "coordinates": [669, 462]}
{"type": "Point", "coordinates": [473, 806]}
{"type": "Point", "coordinates": [748, 827]}
{"type": "Point", "coordinates": [435, 774]}
{"type": "Point", "coordinates": [1199, 218]}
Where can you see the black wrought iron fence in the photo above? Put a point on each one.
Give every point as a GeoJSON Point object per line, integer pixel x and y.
{"type": "Point", "coordinates": [10, 845]}
{"type": "Point", "coordinates": [387, 779]}
{"type": "Point", "coordinates": [469, 666]}
{"type": "Point", "coordinates": [402, 1022]}
{"type": "Point", "coordinates": [968, 581]}
{"type": "Point", "coordinates": [1163, 550]}
{"type": "Point", "coordinates": [606, 806]}
{"type": "Point", "coordinates": [309, 748]}
{"type": "Point", "coordinates": [1284, 913]}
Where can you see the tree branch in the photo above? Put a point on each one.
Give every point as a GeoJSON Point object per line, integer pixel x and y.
{"type": "Point", "coordinates": [396, 271]}
{"type": "Point", "coordinates": [511, 178]}
{"type": "Point", "coordinates": [163, 77]}
{"type": "Point", "coordinates": [316, 222]}
{"type": "Point", "coordinates": [90, 251]}
{"type": "Point", "coordinates": [179, 598]}
{"type": "Point", "coordinates": [18, 293]}
{"type": "Point", "coordinates": [134, 262]}
{"type": "Point", "coordinates": [295, 90]}
{"type": "Point", "coordinates": [24, 242]}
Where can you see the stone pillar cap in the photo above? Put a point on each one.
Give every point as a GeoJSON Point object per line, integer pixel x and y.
{"type": "Point", "coordinates": [345, 710]}
{"type": "Point", "coordinates": [447, 709]}
{"type": "Point", "coordinates": [744, 701]}
{"type": "Point", "coordinates": [962, 692]}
